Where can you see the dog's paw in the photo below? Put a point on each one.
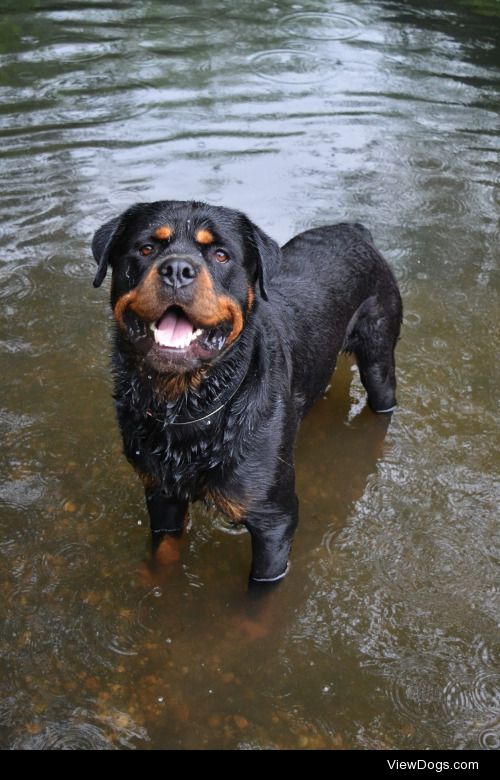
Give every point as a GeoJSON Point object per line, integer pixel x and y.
{"type": "Point", "coordinates": [168, 552]}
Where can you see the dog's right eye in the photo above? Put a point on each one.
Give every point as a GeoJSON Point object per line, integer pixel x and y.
{"type": "Point", "coordinates": [146, 250]}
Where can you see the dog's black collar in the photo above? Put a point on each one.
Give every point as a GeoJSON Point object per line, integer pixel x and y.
{"type": "Point", "coordinates": [216, 406]}
{"type": "Point", "coordinates": [222, 400]}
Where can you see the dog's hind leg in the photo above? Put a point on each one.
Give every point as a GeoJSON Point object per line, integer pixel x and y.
{"type": "Point", "coordinates": [371, 337]}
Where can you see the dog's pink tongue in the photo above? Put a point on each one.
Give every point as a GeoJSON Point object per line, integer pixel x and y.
{"type": "Point", "coordinates": [173, 330]}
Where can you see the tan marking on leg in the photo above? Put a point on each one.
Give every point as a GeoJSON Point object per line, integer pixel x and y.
{"type": "Point", "coordinates": [232, 508]}
{"type": "Point", "coordinates": [168, 551]}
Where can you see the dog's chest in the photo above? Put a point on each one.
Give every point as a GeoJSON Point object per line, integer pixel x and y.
{"type": "Point", "coordinates": [184, 463]}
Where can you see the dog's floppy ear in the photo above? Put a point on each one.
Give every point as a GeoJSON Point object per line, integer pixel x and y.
{"type": "Point", "coordinates": [268, 256]}
{"type": "Point", "coordinates": [101, 247]}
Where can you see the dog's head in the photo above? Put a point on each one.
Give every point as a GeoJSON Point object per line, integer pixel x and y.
{"type": "Point", "coordinates": [185, 279]}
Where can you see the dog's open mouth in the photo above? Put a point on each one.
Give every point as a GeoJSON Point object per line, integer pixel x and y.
{"type": "Point", "coordinates": [175, 331]}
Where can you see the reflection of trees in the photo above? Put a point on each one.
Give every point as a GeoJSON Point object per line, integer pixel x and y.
{"type": "Point", "coordinates": [335, 457]}
{"type": "Point", "coordinates": [474, 24]}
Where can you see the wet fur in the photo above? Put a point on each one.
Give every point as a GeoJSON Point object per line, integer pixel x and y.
{"type": "Point", "coordinates": [325, 291]}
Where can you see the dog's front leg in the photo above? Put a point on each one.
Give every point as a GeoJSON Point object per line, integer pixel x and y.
{"type": "Point", "coordinates": [272, 532]}
{"type": "Point", "coordinates": [166, 516]}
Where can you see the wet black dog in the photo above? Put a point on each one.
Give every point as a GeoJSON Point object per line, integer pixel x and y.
{"type": "Point", "coordinates": [223, 341]}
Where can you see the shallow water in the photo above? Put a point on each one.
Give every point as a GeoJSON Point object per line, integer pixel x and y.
{"type": "Point", "coordinates": [385, 634]}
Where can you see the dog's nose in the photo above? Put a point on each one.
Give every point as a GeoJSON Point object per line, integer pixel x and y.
{"type": "Point", "coordinates": [178, 271]}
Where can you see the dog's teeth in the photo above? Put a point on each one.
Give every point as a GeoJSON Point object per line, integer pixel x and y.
{"type": "Point", "coordinates": [195, 334]}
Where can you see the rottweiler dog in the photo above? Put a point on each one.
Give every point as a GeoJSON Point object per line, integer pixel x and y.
{"type": "Point", "coordinates": [222, 342]}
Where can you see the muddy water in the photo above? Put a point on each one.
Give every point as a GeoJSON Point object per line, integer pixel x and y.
{"type": "Point", "coordinates": [385, 634]}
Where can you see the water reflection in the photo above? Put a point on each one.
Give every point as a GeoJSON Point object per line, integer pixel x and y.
{"type": "Point", "coordinates": [385, 633]}
{"type": "Point", "coordinates": [319, 26]}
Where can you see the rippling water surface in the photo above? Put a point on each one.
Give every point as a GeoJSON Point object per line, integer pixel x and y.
{"type": "Point", "coordinates": [385, 634]}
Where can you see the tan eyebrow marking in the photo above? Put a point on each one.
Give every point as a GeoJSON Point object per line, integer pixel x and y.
{"type": "Point", "coordinates": [163, 232]}
{"type": "Point", "coordinates": [204, 236]}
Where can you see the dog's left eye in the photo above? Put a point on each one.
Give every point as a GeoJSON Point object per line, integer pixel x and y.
{"type": "Point", "coordinates": [146, 250]}
{"type": "Point", "coordinates": [221, 256]}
